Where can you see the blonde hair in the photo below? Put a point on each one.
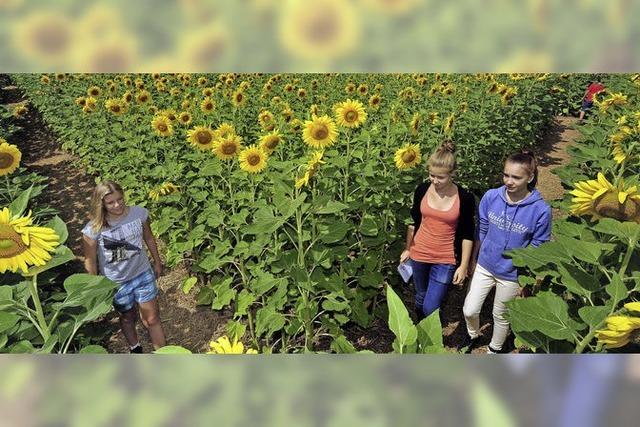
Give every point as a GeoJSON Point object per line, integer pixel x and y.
{"type": "Point", "coordinates": [98, 214]}
{"type": "Point", "coordinates": [444, 156]}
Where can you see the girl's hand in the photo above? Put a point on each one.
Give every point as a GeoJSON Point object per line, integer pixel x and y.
{"type": "Point", "coordinates": [404, 255]}
{"type": "Point", "coordinates": [158, 269]}
{"type": "Point", "coordinates": [459, 275]}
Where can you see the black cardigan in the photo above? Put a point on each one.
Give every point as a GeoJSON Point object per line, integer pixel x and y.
{"type": "Point", "coordinates": [466, 228]}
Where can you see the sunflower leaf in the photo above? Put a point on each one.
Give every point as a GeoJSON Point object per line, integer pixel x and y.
{"type": "Point", "coordinates": [20, 203]}
{"type": "Point", "coordinates": [59, 227]}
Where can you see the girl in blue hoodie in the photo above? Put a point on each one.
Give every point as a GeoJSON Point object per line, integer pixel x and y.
{"type": "Point", "coordinates": [511, 216]}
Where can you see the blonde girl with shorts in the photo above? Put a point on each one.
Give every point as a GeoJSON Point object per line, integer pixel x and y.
{"type": "Point", "coordinates": [113, 247]}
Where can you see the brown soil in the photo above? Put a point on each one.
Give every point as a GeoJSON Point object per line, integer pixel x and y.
{"type": "Point", "coordinates": [552, 154]}
{"type": "Point", "coordinates": [192, 326]}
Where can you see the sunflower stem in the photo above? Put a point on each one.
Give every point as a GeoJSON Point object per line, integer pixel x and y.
{"type": "Point", "coordinates": [633, 241]}
{"type": "Point", "coordinates": [33, 289]}
{"type": "Point", "coordinates": [346, 172]}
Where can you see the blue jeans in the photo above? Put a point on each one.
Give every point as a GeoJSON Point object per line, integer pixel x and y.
{"type": "Point", "coordinates": [431, 282]}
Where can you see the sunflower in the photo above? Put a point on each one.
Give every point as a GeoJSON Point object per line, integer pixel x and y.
{"type": "Point", "coordinates": [448, 126]}
{"type": "Point", "coordinates": [186, 104]}
{"type": "Point", "coordinates": [163, 190]}
{"type": "Point", "coordinates": [228, 147]}
{"type": "Point", "coordinates": [363, 89]}
{"type": "Point", "coordinates": [94, 91]}
{"type": "Point", "coordinates": [618, 153]}
{"type": "Point", "coordinates": [207, 105]}
{"type": "Point", "coordinates": [45, 79]}
{"type": "Point", "coordinates": [599, 198]}
{"type": "Point", "coordinates": [408, 156]}
{"type": "Point", "coordinates": [225, 130]}
{"type": "Point", "coordinates": [223, 346]}
{"type": "Point", "coordinates": [143, 97]}
{"type": "Point", "coordinates": [23, 244]}
{"type": "Point", "coordinates": [252, 159]}
{"type": "Point", "coordinates": [415, 124]}
{"type": "Point", "coordinates": [238, 98]}
{"type": "Point", "coordinates": [315, 161]}
{"type": "Point", "coordinates": [288, 87]}
{"type": "Point", "coordinates": [202, 81]}
{"type": "Point", "coordinates": [433, 117]}
{"type": "Point", "coordinates": [621, 329]}
{"type": "Point", "coordinates": [127, 96]}
{"type": "Point", "coordinates": [184, 118]}
{"type": "Point", "coordinates": [161, 124]}
{"type": "Point", "coordinates": [9, 157]}
{"type": "Point", "coordinates": [287, 114]}
{"type": "Point", "coordinates": [302, 93]}
{"type": "Point", "coordinates": [20, 111]}
{"type": "Point", "coordinates": [81, 101]}
{"type": "Point", "coordinates": [320, 132]}
{"type": "Point", "coordinates": [374, 101]}
{"type": "Point", "coordinates": [175, 92]}
{"type": "Point", "coordinates": [170, 114]}
{"type": "Point", "coordinates": [350, 114]}
{"type": "Point", "coordinates": [201, 137]}
{"type": "Point", "coordinates": [115, 106]}
{"type": "Point", "coordinates": [270, 141]}
{"type": "Point", "coordinates": [265, 118]}
{"type": "Point", "coordinates": [350, 88]}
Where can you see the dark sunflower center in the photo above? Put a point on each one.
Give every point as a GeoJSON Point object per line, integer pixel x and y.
{"type": "Point", "coordinates": [254, 159]}
{"type": "Point", "coordinates": [162, 127]}
{"type": "Point", "coordinates": [94, 92]}
{"type": "Point", "coordinates": [229, 148]}
{"type": "Point", "coordinates": [203, 137]}
{"type": "Point", "coordinates": [208, 106]}
{"type": "Point", "coordinates": [351, 116]}
{"type": "Point", "coordinates": [185, 118]}
{"type": "Point", "coordinates": [272, 143]}
{"type": "Point", "coordinates": [239, 97]}
{"type": "Point", "coordinates": [408, 156]}
{"type": "Point", "coordinates": [10, 242]}
{"type": "Point", "coordinates": [142, 98]}
{"type": "Point", "coordinates": [82, 102]}
{"type": "Point", "coordinates": [6, 160]}
{"type": "Point", "coordinates": [610, 207]}
{"type": "Point", "coordinates": [115, 108]}
{"type": "Point", "coordinates": [320, 132]}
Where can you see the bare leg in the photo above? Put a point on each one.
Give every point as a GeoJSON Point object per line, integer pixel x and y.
{"type": "Point", "coordinates": [128, 325]}
{"type": "Point", "coordinates": [150, 314]}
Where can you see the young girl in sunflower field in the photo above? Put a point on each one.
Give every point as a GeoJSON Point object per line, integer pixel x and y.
{"type": "Point", "coordinates": [512, 216]}
{"type": "Point", "coordinates": [113, 246]}
{"type": "Point", "coordinates": [440, 242]}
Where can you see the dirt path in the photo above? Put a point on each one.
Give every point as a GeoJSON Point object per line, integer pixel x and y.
{"type": "Point", "coordinates": [69, 191]}
{"type": "Point", "coordinates": [553, 154]}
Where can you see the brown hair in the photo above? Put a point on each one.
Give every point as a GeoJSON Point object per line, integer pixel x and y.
{"type": "Point", "coordinates": [444, 156]}
{"type": "Point", "coordinates": [527, 159]}
{"type": "Point", "coordinates": [98, 214]}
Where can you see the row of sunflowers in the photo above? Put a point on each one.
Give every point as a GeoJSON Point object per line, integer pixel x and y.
{"type": "Point", "coordinates": [588, 300]}
{"type": "Point", "coordinates": [287, 195]}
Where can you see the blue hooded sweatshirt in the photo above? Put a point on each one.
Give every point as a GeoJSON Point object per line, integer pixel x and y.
{"type": "Point", "coordinates": [504, 226]}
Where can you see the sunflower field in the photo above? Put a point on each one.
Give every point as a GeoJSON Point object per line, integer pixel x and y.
{"type": "Point", "coordinates": [288, 195]}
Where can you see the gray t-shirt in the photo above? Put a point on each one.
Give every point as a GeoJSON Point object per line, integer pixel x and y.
{"type": "Point", "coordinates": [121, 254]}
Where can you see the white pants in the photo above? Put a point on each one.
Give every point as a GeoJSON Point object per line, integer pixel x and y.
{"type": "Point", "coordinates": [481, 284]}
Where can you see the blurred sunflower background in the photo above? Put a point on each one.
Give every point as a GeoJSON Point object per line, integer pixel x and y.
{"type": "Point", "coordinates": [296, 35]}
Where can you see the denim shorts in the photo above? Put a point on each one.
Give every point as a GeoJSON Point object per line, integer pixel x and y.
{"type": "Point", "coordinates": [586, 105]}
{"type": "Point", "coordinates": [141, 288]}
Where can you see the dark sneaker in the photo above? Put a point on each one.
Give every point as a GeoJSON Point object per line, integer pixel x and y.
{"type": "Point", "coordinates": [136, 350]}
{"type": "Point", "coordinates": [491, 350]}
{"type": "Point", "coordinates": [468, 344]}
